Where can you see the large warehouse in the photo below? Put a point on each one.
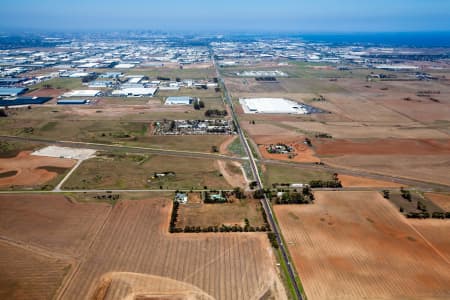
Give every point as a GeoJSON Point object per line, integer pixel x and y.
{"type": "Point", "coordinates": [179, 100]}
{"type": "Point", "coordinates": [135, 92]}
{"type": "Point", "coordinates": [272, 106]}
{"type": "Point", "coordinates": [83, 93]}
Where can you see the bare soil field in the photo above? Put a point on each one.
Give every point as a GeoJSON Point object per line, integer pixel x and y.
{"type": "Point", "coordinates": [440, 199]}
{"type": "Point", "coordinates": [263, 133]}
{"type": "Point", "coordinates": [229, 214]}
{"type": "Point", "coordinates": [26, 170]}
{"type": "Point", "coordinates": [232, 172]}
{"type": "Point", "coordinates": [356, 108]}
{"type": "Point", "coordinates": [51, 222]}
{"type": "Point", "coordinates": [382, 147]}
{"type": "Point", "coordinates": [302, 153]}
{"type": "Point", "coordinates": [354, 181]}
{"type": "Point", "coordinates": [355, 245]}
{"type": "Point", "coordinates": [363, 130]}
{"type": "Point", "coordinates": [145, 287]}
{"type": "Point", "coordinates": [436, 233]}
{"type": "Point", "coordinates": [223, 266]}
{"type": "Point", "coordinates": [427, 168]}
{"type": "Point", "coordinates": [28, 275]}
{"type": "Point", "coordinates": [47, 92]}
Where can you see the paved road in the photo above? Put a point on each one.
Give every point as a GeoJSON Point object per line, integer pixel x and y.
{"type": "Point", "coordinates": [265, 202]}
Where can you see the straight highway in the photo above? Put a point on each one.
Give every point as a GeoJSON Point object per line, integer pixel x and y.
{"type": "Point", "coordinates": [265, 201]}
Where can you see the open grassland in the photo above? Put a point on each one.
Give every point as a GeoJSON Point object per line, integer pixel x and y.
{"type": "Point", "coordinates": [60, 83]}
{"type": "Point", "coordinates": [290, 174]}
{"type": "Point", "coordinates": [204, 215]}
{"type": "Point", "coordinates": [355, 245]}
{"type": "Point", "coordinates": [107, 131]}
{"type": "Point", "coordinates": [28, 275]}
{"type": "Point", "coordinates": [10, 149]}
{"type": "Point", "coordinates": [120, 171]}
{"type": "Point", "coordinates": [223, 266]}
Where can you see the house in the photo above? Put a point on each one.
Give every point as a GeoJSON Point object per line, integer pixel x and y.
{"type": "Point", "coordinates": [181, 198]}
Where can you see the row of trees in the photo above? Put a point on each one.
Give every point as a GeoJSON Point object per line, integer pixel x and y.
{"type": "Point", "coordinates": [174, 218]}
{"type": "Point", "coordinates": [216, 113]}
{"type": "Point", "coordinates": [198, 104]}
{"type": "Point", "coordinates": [426, 215]}
{"type": "Point", "coordinates": [224, 228]}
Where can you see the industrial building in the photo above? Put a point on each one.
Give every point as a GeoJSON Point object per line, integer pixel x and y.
{"type": "Point", "coordinates": [135, 92]}
{"type": "Point", "coordinates": [11, 92]}
{"type": "Point", "coordinates": [179, 100]}
{"type": "Point", "coordinates": [272, 106]}
{"type": "Point", "coordinates": [24, 101]}
{"type": "Point", "coordinates": [83, 93]}
{"type": "Point", "coordinates": [73, 102]}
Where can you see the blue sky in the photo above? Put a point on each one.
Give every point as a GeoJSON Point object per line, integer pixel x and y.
{"type": "Point", "coordinates": [227, 15]}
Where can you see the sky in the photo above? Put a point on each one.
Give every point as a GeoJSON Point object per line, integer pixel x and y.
{"type": "Point", "coordinates": [302, 16]}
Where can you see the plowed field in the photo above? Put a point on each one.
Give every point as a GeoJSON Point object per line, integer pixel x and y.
{"type": "Point", "coordinates": [135, 239]}
{"type": "Point", "coordinates": [355, 245]}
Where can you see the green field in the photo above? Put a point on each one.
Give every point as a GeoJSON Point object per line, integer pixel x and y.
{"type": "Point", "coordinates": [120, 171]}
{"type": "Point", "coordinates": [61, 83]}
{"type": "Point", "coordinates": [287, 174]}
{"type": "Point", "coordinates": [105, 132]}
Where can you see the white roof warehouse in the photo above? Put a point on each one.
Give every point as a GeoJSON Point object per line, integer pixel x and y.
{"type": "Point", "coordinates": [135, 92]}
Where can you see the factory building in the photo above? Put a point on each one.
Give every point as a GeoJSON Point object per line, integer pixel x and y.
{"type": "Point", "coordinates": [83, 93]}
{"type": "Point", "coordinates": [135, 92]}
{"type": "Point", "coordinates": [180, 100]}
{"type": "Point", "coordinates": [11, 92]}
{"type": "Point", "coordinates": [73, 102]}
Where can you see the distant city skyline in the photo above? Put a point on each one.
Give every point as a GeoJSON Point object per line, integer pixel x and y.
{"type": "Point", "coordinates": [227, 16]}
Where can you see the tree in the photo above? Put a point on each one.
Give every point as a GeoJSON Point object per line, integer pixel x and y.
{"type": "Point", "coordinates": [214, 149]}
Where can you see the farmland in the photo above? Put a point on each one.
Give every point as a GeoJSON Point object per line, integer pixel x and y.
{"type": "Point", "coordinates": [27, 275]}
{"type": "Point", "coordinates": [204, 215]}
{"type": "Point", "coordinates": [41, 238]}
{"type": "Point", "coordinates": [224, 266]}
{"type": "Point", "coordinates": [355, 245]}
{"type": "Point", "coordinates": [291, 174]}
{"type": "Point", "coordinates": [45, 239]}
